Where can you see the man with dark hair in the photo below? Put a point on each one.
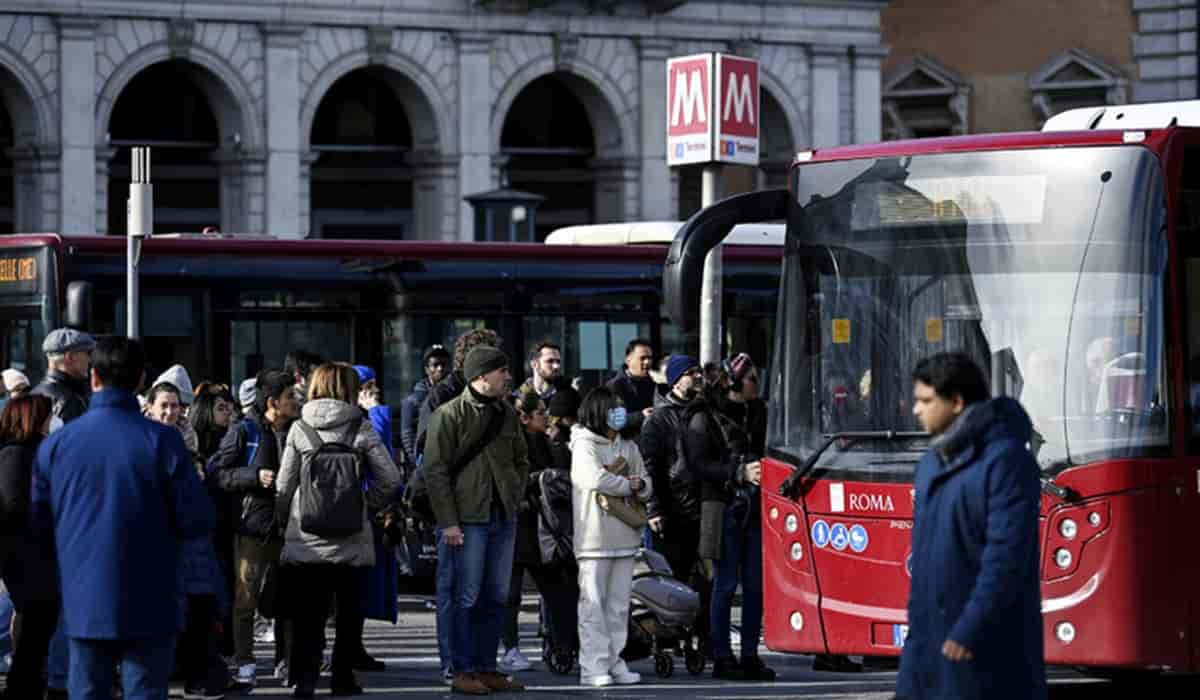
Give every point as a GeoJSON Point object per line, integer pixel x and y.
{"type": "Point", "coordinates": [245, 466]}
{"type": "Point", "coordinates": [635, 386]}
{"type": "Point", "coordinates": [476, 466]}
{"type": "Point", "coordinates": [116, 494]}
{"type": "Point", "coordinates": [300, 364]}
{"type": "Point", "coordinates": [545, 371]}
{"type": "Point", "coordinates": [974, 609]}
{"type": "Point", "coordinates": [436, 364]}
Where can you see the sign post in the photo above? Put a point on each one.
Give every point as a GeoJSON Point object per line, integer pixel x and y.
{"type": "Point", "coordinates": [712, 118]}
{"type": "Point", "coordinates": [139, 223]}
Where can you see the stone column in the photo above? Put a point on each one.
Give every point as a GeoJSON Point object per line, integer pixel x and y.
{"type": "Point", "coordinates": [283, 216]}
{"type": "Point", "coordinates": [102, 157]}
{"type": "Point", "coordinates": [474, 124]}
{"type": "Point", "coordinates": [31, 168]}
{"type": "Point", "coordinates": [233, 190]}
{"type": "Point", "coordinates": [616, 195]}
{"type": "Point", "coordinates": [655, 199]}
{"type": "Point", "coordinates": [825, 98]}
{"type": "Point", "coordinates": [433, 177]}
{"type": "Point", "coordinates": [867, 98]}
{"type": "Point", "coordinates": [77, 123]}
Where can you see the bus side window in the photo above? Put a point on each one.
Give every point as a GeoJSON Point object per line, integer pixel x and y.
{"type": "Point", "coordinates": [1187, 224]}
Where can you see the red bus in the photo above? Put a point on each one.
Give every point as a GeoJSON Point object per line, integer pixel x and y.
{"type": "Point", "coordinates": [1067, 262]}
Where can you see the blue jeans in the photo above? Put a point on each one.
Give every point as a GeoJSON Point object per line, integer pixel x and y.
{"type": "Point", "coordinates": [482, 567]}
{"type": "Point", "coordinates": [58, 663]}
{"type": "Point", "coordinates": [145, 668]}
{"type": "Point", "coordinates": [445, 603]}
{"type": "Point", "coordinates": [741, 558]}
{"type": "Point", "coordinates": [6, 616]}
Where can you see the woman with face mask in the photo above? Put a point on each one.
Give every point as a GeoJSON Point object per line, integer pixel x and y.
{"type": "Point", "coordinates": [610, 488]}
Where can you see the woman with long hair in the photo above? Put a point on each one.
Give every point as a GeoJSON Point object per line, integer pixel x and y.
{"type": "Point", "coordinates": [28, 567]}
{"type": "Point", "coordinates": [211, 414]}
{"type": "Point", "coordinates": [316, 567]}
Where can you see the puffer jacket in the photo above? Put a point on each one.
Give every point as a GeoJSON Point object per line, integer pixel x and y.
{"type": "Point", "coordinates": [678, 496]}
{"type": "Point", "coordinates": [331, 418]}
{"type": "Point", "coordinates": [70, 395]}
{"type": "Point", "coordinates": [256, 514]}
{"type": "Point", "coordinates": [599, 535]}
{"type": "Point", "coordinates": [501, 469]}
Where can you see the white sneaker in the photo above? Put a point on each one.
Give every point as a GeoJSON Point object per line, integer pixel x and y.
{"type": "Point", "coordinates": [621, 674]}
{"type": "Point", "coordinates": [281, 673]}
{"type": "Point", "coordinates": [599, 681]}
{"type": "Point", "coordinates": [245, 674]}
{"type": "Point", "coordinates": [513, 661]}
{"type": "Point", "coordinates": [264, 631]}
{"type": "Point", "coordinates": [448, 677]}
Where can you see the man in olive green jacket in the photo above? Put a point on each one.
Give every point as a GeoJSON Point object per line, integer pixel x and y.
{"type": "Point", "coordinates": [476, 511]}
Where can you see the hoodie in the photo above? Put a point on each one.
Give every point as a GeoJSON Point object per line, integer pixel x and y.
{"type": "Point", "coordinates": [177, 375]}
{"type": "Point", "coordinates": [330, 418]}
{"type": "Point", "coordinates": [599, 535]}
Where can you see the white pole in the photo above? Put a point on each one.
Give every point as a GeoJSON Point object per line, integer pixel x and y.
{"type": "Point", "coordinates": [139, 224]}
{"type": "Point", "coordinates": [710, 289]}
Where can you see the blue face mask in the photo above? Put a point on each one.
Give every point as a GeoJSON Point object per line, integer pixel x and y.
{"type": "Point", "coordinates": [617, 417]}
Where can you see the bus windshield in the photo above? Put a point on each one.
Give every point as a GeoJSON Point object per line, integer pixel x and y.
{"type": "Point", "coordinates": [27, 306]}
{"type": "Point", "coordinates": [1046, 266]}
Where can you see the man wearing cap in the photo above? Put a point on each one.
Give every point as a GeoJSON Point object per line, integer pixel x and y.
{"type": "Point", "coordinates": [476, 510]}
{"type": "Point", "coordinates": [68, 359]}
{"type": "Point", "coordinates": [436, 362]}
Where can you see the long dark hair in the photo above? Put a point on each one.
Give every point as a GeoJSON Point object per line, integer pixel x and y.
{"type": "Point", "coordinates": [24, 417]}
{"type": "Point", "coordinates": [593, 412]}
{"type": "Point", "coordinates": [202, 419]}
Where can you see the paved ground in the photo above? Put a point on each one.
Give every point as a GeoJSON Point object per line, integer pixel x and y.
{"type": "Point", "coordinates": [410, 650]}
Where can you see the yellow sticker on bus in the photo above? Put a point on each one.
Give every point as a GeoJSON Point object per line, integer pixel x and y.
{"type": "Point", "coordinates": [933, 330]}
{"type": "Point", "coordinates": [841, 331]}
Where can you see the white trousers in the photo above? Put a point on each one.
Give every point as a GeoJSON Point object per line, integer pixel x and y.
{"type": "Point", "coordinates": [604, 589]}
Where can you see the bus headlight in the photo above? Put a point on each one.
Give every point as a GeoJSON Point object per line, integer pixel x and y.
{"type": "Point", "coordinates": [1065, 632]}
{"type": "Point", "coordinates": [797, 551]}
{"type": "Point", "coordinates": [1094, 519]}
{"type": "Point", "coordinates": [774, 513]}
{"type": "Point", "coordinates": [1063, 558]}
{"type": "Point", "coordinates": [1068, 529]}
{"type": "Point", "coordinates": [791, 523]}
{"type": "Point", "coordinates": [797, 621]}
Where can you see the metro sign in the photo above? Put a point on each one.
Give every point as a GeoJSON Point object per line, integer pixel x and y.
{"type": "Point", "coordinates": [712, 109]}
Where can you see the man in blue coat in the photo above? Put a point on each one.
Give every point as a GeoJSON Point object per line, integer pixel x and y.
{"type": "Point", "coordinates": [974, 610]}
{"type": "Point", "coordinates": [116, 495]}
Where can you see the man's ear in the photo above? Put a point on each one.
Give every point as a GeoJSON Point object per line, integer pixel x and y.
{"type": "Point", "coordinates": [959, 404]}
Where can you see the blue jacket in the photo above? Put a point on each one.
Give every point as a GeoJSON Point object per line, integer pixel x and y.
{"type": "Point", "coordinates": [410, 416]}
{"type": "Point", "coordinates": [975, 563]}
{"type": "Point", "coordinates": [117, 495]}
{"type": "Point", "coordinates": [380, 585]}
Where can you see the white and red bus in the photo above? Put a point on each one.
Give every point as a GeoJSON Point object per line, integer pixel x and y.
{"type": "Point", "coordinates": [1065, 261]}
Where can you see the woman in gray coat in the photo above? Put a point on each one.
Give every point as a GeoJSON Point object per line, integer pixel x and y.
{"type": "Point", "coordinates": [323, 565]}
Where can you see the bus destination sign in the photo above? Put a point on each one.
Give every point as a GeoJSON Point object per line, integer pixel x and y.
{"type": "Point", "coordinates": [18, 270]}
{"type": "Point", "coordinates": [23, 271]}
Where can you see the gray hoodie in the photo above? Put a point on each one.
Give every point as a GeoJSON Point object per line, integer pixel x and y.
{"type": "Point", "coordinates": [330, 418]}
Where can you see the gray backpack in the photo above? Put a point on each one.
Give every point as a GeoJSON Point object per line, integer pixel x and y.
{"type": "Point", "coordinates": [331, 492]}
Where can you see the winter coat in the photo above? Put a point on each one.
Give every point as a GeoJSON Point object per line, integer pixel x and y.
{"type": "Point", "coordinates": [27, 565]}
{"type": "Point", "coordinates": [975, 562]}
{"type": "Point", "coordinates": [677, 497]}
{"type": "Point", "coordinates": [637, 395]}
{"type": "Point", "coordinates": [744, 426]}
{"type": "Point", "coordinates": [331, 418]}
{"type": "Point", "coordinates": [380, 585]}
{"type": "Point", "coordinates": [410, 418]}
{"type": "Point", "coordinates": [527, 550]}
{"type": "Point", "coordinates": [598, 534]}
{"type": "Point", "coordinates": [502, 468]}
{"type": "Point", "coordinates": [70, 395]}
{"type": "Point", "coordinates": [228, 467]}
{"type": "Point", "coordinates": [119, 495]}
{"type": "Point", "coordinates": [446, 390]}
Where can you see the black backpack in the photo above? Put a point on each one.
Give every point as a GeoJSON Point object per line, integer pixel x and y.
{"type": "Point", "coordinates": [331, 497]}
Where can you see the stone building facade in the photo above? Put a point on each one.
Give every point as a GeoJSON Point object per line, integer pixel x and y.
{"type": "Point", "coordinates": [299, 119]}
{"type": "Point", "coordinates": [975, 66]}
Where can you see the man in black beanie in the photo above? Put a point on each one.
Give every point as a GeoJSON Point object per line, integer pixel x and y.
{"type": "Point", "coordinates": [476, 467]}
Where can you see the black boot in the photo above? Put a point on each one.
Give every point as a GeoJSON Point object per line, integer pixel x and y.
{"type": "Point", "coordinates": [728, 669]}
{"type": "Point", "coordinates": [753, 669]}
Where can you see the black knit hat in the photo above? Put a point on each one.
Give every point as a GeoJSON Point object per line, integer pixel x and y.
{"type": "Point", "coordinates": [483, 359]}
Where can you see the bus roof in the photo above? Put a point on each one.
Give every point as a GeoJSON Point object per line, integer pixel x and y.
{"type": "Point", "coordinates": [660, 233]}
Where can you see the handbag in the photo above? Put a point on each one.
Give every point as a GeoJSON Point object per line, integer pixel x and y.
{"type": "Point", "coordinates": [632, 514]}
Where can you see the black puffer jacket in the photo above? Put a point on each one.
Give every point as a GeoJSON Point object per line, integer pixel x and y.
{"type": "Point", "coordinates": [637, 395]}
{"type": "Point", "coordinates": [69, 395]}
{"type": "Point", "coordinates": [527, 551]}
{"type": "Point", "coordinates": [256, 516]}
{"type": "Point", "coordinates": [27, 559]}
{"type": "Point", "coordinates": [679, 501]}
{"type": "Point", "coordinates": [708, 453]}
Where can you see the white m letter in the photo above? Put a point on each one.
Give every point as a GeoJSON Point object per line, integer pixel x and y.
{"type": "Point", "coordinates": [689, 100]}
{"type": "Point", "coordinates": [739, 100]}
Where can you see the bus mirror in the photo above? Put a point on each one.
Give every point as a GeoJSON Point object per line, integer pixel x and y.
{"type": "Point", "coordinates": [79, 305]}
{"type": "Point", "coordinates": [701, 233]}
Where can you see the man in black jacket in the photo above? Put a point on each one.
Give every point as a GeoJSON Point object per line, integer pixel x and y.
{"type": "Point", "coordinates": [454, 383]}
{"type": "Point", "coordinates": [68, 357]}
{"type": "Point", "coordinates": [245, 465]}
{"type": "Point", "coordinates": [635, 386]}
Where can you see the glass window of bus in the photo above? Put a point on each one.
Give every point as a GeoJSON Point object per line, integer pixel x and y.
{"type": "Point", "coordinates": [23, 331]}
{"type": "Point", "coordinates": [593, 349]}
{"type": "Point", "coordinates": [1046, 266]}
{"type": "Point", "coordinates": [406, 337]}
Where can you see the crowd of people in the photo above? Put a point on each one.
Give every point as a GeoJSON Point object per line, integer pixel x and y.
{"type": "Point", "coordinates": [152, 527]}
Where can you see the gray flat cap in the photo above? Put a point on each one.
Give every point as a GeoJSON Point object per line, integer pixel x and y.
{"type": "Point", "coordinates": [63, 340]}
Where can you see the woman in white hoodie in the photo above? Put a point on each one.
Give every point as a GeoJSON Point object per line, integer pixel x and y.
{"type": "Point", "coordinates": [607, 474]}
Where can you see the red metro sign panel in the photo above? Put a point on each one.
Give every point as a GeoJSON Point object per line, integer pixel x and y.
{"type": "Point", "coordinates": [712, 109]}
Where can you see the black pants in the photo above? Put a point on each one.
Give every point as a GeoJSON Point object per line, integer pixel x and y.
{"type": "Point", "coordinates": [27, 675]}
{"type": "Point", "coordinates": [559, 589]}
{"type": "Point", "coordinates": [311, 587]}
{"type": "Point", "coordinates": [679, 543]}
{"type": "Point", "coordinates": [199, 645]}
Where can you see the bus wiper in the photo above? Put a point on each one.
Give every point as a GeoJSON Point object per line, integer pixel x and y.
{"type": "Point", "coordinates": [790, 488]}
{"type": "Point", "coordinates": [1063, 493]}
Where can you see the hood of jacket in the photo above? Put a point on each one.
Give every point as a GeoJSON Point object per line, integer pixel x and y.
{"type": "Point", "coordinates": [329, 414]}
{"type": "Point", "coordinates": [422, 387]}
{"type": "Point", "coordinates": [580, 435]}
{"type": "Point", "coordinates": [178, 375]}
{"type": "Point", "coordinates": [983, 422]}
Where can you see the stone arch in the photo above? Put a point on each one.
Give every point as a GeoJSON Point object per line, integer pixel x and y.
{"type": "Point", "coordinates": [239, 118]}
{"type": "Point", "coordinates": [415, 87]}
{"type": "Point", "coordinates": [774, 87]}
{"type": "Point", "coordinates": [28, 104]}
{"type": "Point", "coordinates": [614, 127]}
